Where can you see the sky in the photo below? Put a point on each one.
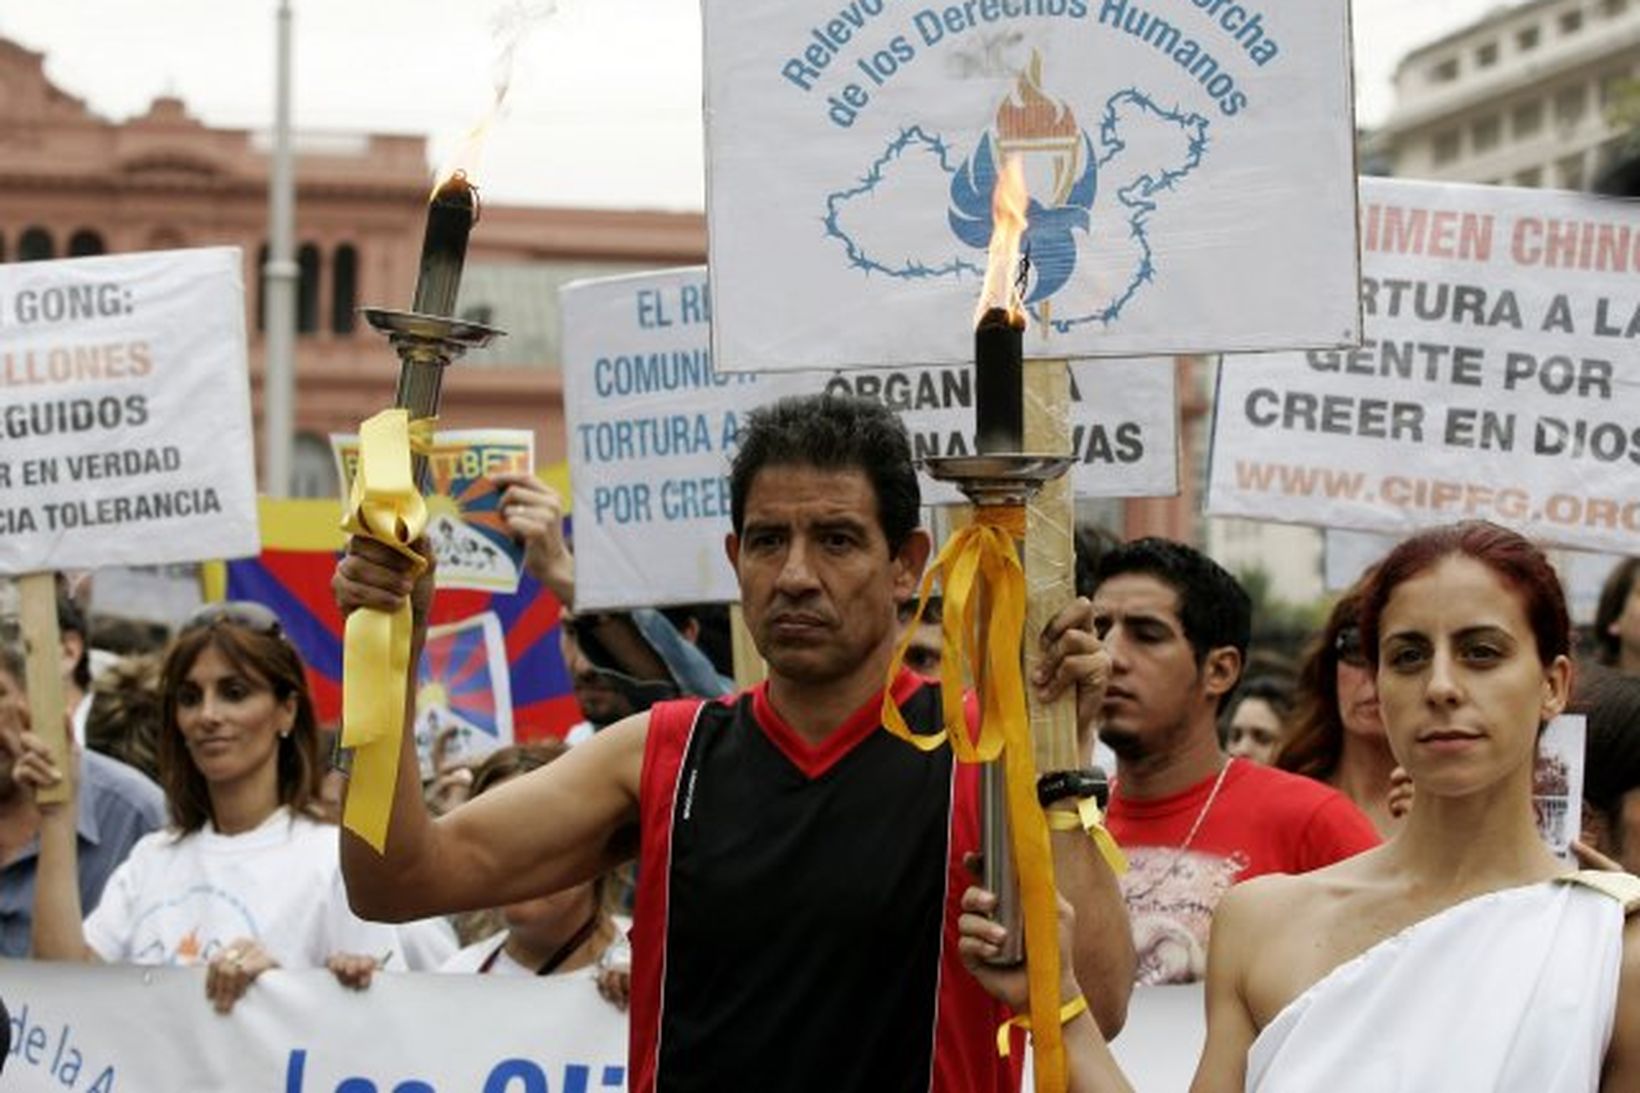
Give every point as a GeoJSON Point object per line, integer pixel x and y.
{"type": "Point", "coordinates": [604, 103]}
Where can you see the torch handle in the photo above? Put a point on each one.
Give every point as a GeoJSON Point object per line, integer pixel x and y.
{"type": "Point", "coordinates": [997, 858]}
{"type": "Point", "coordinates": [420, 382]}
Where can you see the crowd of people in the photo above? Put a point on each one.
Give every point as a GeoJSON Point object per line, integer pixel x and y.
{"type": "Point", "coordinates": [1333, 839]}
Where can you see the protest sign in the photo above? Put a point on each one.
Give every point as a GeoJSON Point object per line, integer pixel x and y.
{"type": "Point", "coordinates": [1169, 148]}
{"type": "Point", "coordinates": [125, 425]}
{"type": "Point", "coordinates": [652, 429]}
{"type": "Point", "coordinates": [1498, 377]}
{"type": "Point", "coordinates": [95, 1030]}
{"type": "Point", "coordinates": [470, 542]}
{"type": "Point", "coordinates": [1123, 421]}
{"type": "Point", "coordinates": [73, 1028]}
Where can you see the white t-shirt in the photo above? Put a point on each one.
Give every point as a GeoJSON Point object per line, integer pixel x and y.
{"type": "Point", "coordinates": [472, 958]}
{"type": "Point", "coordinates": [180, 900]}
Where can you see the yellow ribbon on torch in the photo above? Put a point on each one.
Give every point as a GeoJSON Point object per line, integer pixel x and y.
{"type": "Point", "coordinates": [386, 506]}
{"type": "Point", "coordinates": [979, 558]}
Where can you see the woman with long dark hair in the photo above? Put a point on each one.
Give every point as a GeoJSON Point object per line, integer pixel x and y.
{"type": "Point", "coordinates": [1335, 734]}
{"type": "Point", "coordinates": [246, 877]}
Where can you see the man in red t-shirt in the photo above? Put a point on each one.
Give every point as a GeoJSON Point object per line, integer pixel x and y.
{"type": "Point", "coordinates": [1193, 821]}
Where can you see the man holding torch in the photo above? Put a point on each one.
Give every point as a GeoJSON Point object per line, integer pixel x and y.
{"type": "Point", "coordinates": [801, 870]}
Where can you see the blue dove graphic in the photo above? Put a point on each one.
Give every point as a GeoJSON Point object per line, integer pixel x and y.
{"type": "Point", "coordinates": [1047, 239]}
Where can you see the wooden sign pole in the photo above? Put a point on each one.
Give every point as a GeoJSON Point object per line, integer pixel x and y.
{"type": "Point", "coordinates": [750, 669]}
{"type": "Point", "coordinates": [43, 645]}
{"type": "Point", "coordinates": [1050, 556]}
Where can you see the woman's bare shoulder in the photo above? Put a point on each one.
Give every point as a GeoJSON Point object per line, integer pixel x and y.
{"type": "Point", "coordinates": [1282, 895]}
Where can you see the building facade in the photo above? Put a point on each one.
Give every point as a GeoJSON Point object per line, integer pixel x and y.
{"type": "Point", "coordinates": [72, 183]}
{"type": "Point", "coordinates": [1520, 97]}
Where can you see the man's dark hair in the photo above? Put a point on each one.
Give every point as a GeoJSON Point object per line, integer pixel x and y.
{"type": "Point", "coordinates": [70, 620]}
{"type": "Point", "coordinates": [1213, 607]}
{"type": "Point", "coordinates": [831, 433]}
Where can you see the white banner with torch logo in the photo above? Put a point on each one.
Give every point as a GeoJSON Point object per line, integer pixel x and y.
{"type": "Point", "coordinates": [1190, 164]}
{"type": "Point", "coordinates": [652, 428]}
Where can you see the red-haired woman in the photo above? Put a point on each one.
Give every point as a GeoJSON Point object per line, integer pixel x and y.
{"type": "Point", "coordinates": [1460, 954]}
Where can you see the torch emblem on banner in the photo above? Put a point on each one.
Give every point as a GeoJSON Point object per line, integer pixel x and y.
{"type": "Point", "coordinates": [1042, 137]}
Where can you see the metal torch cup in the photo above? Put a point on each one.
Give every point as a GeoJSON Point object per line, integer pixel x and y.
{"type": "Point", "coordinates": [426, 345]}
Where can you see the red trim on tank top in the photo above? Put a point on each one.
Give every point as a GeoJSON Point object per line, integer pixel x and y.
{"type": "Point", "coordinates": [815, 759]}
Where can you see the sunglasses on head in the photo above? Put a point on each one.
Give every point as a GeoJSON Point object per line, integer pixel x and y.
{"type": "Point", "coordinates": [248, 614]}
{"type": "Point", "coordinates": [1348, 647]}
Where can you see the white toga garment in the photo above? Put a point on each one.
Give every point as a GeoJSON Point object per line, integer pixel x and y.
{"type": "Point", "coordinates": [1510, 992]}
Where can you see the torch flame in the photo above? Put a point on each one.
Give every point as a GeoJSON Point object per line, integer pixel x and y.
{"type": "Point", "coordinates": [510, 26]}
{"type": "Point", "coordinates": [1009, 204]}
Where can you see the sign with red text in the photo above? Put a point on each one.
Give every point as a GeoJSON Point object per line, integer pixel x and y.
{"type": "Point", "coordinates": [125, 422]}
{"type": "Point", "coordinates": [652, 428]}
{"type": "Point", "coordinates": [1498, 377]}
{"type": "Point", "coordinates": [1190, 165]}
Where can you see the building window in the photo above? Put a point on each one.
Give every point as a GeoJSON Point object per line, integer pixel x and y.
{"type": "Point", "coordinates": [1532, 177]}
{"type": "Point", "coordinates": [1569, 172]}
{"type": "Point", "coordinates": [1447, 146]}
{"type": "Point", "coordinates": [1615, 87]}
{"type": "Point", "coordinates": [1444, 72]}
{"type": "Point", "coordinates": [307, 289]}
{"type": "Point", "coordinates": [35, 244]}
{"type": "Point", "coordinates": [1486, 133]}
{"type": "Point", "coordinates": [1527, 119]}
{"type": "Point", "coordinates": [1571, 21]}
{"type": "Point", "coordinates": [344, 289]}
{"type": "Point", "coordinates": [1486, 56]}
{"type": "Point", "coordinates": [1569, 105]}
{"type": "Point", "coordinates": [84, 243]}
{"type": "Point", "coordinates": [1526, 38]}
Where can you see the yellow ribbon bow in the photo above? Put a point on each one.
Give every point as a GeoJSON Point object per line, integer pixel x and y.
{"type": "Point", "coordinates": [384, 505]}
{"type": "Point", "coordinates": [984, 608]}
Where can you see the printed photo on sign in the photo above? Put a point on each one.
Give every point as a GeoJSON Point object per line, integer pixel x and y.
{"type": "Point", "coordinates": [653, 426]}
{"type": "Point", "coordinates": [464, 525]}
{"type": "Point", "coordinates": [125, 418]}
{"type": "Point", "coordinates": [1497, 378]}
{"type": "Point", "coordinates": [1168, 149]}
{"type": "Point", "coordinates": [1557, 783]}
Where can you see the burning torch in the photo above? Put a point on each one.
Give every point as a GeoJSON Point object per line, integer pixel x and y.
{"type": "Point", "coordinates": [427, 337]}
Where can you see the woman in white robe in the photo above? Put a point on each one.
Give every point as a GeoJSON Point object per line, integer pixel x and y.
{"type": "Point", "coordinates": [1460, 955]}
